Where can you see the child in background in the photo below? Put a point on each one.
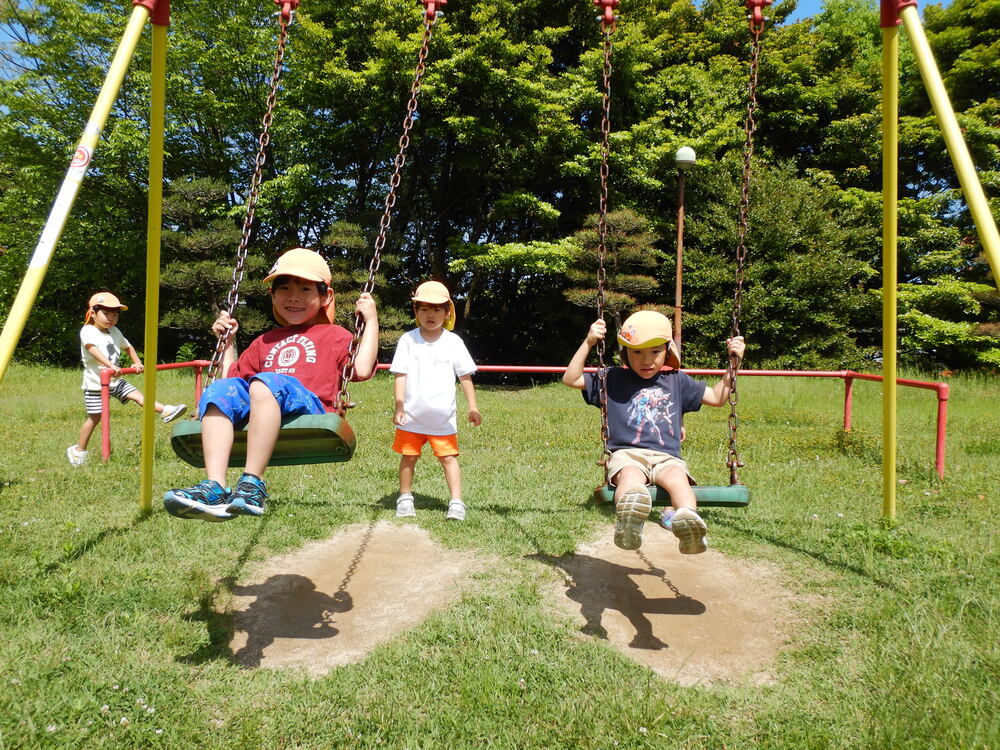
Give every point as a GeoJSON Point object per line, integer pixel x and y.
{"type": "Point", "coordinates": [645, 419]}
{"type": "Point", "coordinates": [101, 345]}
{"type": "Point", "coordinates": [426, 363]}
{"type": "Point", "coordinates": [288, 371]}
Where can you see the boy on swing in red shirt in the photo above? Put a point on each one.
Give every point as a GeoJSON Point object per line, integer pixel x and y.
{"type": "Point", "coordinates": [288, 371]}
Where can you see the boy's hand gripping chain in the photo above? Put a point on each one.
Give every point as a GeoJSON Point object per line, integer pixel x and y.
{"type": "Point", "coordinates": [756, 19]}
{"type": "Point", "coordinates": [607, 19]}
{"type": "Point", "coordinates": [287, 8]}
{"type": "Point", "coordinates": [431, 14]}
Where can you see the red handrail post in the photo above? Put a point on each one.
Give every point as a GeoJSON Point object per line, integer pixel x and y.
{"type": "Point", "coordinates": [105, 414]}
{"type": "Point", "coordinates": [197, 383]}
{"type": "Point", "coordinates": [942, 426]}
{"type": "Point", "coordinates": [848, 399]}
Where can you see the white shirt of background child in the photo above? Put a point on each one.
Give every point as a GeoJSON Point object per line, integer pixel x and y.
{"type": "Point", "coordinates": [110, 344]}
{"type": "Point", "coordinates": [431, 370]}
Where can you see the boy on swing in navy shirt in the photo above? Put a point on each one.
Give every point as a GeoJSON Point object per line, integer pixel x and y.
{"type": "Point", "coordinates": [645, 419]}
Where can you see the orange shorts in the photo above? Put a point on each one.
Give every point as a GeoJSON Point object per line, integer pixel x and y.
{"type": "Point", "coordinates": [412, 443]}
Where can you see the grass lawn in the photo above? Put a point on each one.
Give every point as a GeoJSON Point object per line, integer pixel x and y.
{"type": "Point", "coordinates": [112, 636]}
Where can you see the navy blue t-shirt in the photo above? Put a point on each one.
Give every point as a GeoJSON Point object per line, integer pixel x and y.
{"type": "Point", "coordinates": [645, 413]}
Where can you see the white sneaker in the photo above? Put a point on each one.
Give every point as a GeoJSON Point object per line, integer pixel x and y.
{"type": "Point", "coordinates": [170, 413]}
{"type": "Point", "coordinates": [456, 511]}
{"type": "Point", "coordinates": [404, 506]}
{"type": "Point", "coordinates": [76, 456]}
{"type": "Point", "coordinates": [690, 531]}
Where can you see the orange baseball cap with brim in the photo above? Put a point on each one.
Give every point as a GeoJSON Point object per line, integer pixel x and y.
{"type": "Point", "coordinates": [102, 299]}
{"type": "Point", "coordinates": [303, 264]}
{"type": "Point", "coordinates": [646, 329]}
{"type": "Point", "coordinates": [436, 293]}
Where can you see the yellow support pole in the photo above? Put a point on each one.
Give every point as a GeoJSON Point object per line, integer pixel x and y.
{"type": "Point", "coordinates": [890, 187]}
{"type": "Point", "coordinates": [959, 152]}
{"type": "Point", "coordinates": [59, 213]}
{"type": "Point", "coordinates": [154, 222]}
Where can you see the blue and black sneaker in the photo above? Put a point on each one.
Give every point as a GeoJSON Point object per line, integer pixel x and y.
{"type": "Point", "coordinates": [207, 501]}
{"type": "Point", "coordinates": [248, 497]}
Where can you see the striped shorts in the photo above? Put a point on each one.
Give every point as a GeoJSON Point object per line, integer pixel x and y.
{"type": "Point", "coordinates": [118, 389]}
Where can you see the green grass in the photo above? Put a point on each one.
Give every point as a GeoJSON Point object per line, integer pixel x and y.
{"type": "Point", "coordinates": [106, 613]}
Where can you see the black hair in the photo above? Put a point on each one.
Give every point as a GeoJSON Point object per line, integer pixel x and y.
{"type": "Point", "coordinates": [277, 281]}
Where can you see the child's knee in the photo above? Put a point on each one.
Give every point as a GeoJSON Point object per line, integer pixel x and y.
{"type": "Point", "coordinates": [259, 392]}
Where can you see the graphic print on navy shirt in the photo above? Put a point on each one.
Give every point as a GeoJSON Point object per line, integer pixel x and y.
{"type": "Point", "coordinates": [646, 413]}
{"type": "Point", "coordinates": [650, 412]}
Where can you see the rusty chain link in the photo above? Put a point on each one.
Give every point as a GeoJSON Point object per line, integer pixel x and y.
{"type": "Point", "coordinates": [733, 462]}
{"type": "Point", "coordinates": [390, 201]}
{"type": "Point", "coordinates": [232, 299]}
{"type": "Point", "coordinates": [602, 249]}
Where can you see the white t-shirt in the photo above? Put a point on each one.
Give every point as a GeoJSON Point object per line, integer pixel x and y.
{"type": "Point", "coordinates": [431, 369]}
{"type": "Point", "coordinates": [110, 344]}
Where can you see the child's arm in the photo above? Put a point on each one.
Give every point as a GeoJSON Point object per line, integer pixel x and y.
{"type": "Point", "coordinates": [718, 395]}
{"type": "Point", "coordinates": [95, 352]}
{"type": "Point", "coordinates": [219, 327]}
{"type": "Point", "coordinates": [399, 394]}
{"type": "Point", "coordinates": [470, 397]}
{"type": "Point", "coordinates": [134, 356]}
{"type": "Point", "coordinates": [365, 360]}
{"type": "Point", "coordinates": [573, 377]}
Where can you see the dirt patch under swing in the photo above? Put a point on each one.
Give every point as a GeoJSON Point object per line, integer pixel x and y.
{"type": "Point", "coordinates": [691, 618]}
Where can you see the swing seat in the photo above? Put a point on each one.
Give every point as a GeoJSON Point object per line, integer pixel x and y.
{"type": "Point", "coordinates": [308, 439]}
{"type": "Point", "coordinates": [733, 496]}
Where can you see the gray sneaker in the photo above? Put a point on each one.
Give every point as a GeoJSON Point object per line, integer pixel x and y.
{"type": "Point", "coordinates": [632, 510]}
{"type": "Point", "coordinates": [690, 531]}
{"type": "Point", "coordinates": [404, 506]}
{"type": "Point", "coordinates": [170, 413]}
{"type": "Point", "coordinates": [456, 511]}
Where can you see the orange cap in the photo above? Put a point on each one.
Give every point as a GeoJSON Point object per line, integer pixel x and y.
{"type": "Point", "coordinates": [102, 299]}
{"type": "Point", "coordinates": [647, 328]}
{"type": "Point", "coordinates": [436, 293]}
{"type": "Point", "coordinates": [303, 264]}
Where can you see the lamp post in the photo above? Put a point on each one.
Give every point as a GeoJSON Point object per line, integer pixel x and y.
{"type": "Point", "coordinates": [684, 158]}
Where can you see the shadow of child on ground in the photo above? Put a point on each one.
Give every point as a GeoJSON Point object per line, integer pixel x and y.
{"type": "Point", "coordinates": [598, 585]}
{"type": "Point", "coordinates": [287, 606]}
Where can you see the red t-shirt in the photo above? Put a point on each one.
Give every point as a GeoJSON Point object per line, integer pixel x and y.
{"type": "Point", "coordinates": [314, 353]}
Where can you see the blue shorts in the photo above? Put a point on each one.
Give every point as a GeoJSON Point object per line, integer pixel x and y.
{"type": "Point", "coordinates": [231, 396]}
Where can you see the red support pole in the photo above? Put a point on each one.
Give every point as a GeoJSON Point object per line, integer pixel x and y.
{"type": "Point", "coordinates": [942, 427]}
{"type": "Point", "coordinates": [848, 400]}
{"type": "Point", "coordinates": [287, 8]}
{"type": "Point", "coordinates": [105, 414]}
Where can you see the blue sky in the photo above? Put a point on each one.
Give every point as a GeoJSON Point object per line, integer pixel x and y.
{"type": "Point", "coordinates": [807, 8]}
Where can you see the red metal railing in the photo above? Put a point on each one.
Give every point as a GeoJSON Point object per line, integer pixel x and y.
{"type": "Point", "coordinates": [848, 376]}
{"type": "Point", "coordinates": [107, 375]}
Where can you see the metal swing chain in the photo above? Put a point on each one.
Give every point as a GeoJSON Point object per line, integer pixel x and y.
{"type": "Point", "coordinates": [430, 18]}
{"type": "Point", "coordinates": [602, 232]}
{"type": "Point", "coordinates": [284, 18]}
{"type": "Point", "coordinates": [756, 29]}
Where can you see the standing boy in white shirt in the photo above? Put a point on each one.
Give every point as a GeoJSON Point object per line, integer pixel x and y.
{"type": "Point", "coordinates": [427, 361]}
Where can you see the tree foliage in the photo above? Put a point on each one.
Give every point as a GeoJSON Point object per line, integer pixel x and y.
{"type": "Point", "coordinates": [499, 185]}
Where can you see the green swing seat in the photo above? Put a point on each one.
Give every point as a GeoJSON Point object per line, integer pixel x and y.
{"type": "Point", "coordinates": [308, 439]}
{"type": "Point", "coordinates": [733, 496]}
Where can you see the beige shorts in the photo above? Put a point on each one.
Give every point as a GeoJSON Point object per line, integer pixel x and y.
{"type": "Point", "coordinates": [649, 462]}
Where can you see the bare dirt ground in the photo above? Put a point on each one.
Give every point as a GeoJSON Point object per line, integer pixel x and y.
{"type": "Point", "coordinates": [694, 619]}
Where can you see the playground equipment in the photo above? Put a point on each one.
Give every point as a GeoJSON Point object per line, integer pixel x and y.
{"type": "Point", "coordinates": [736, 494]}
{"type": "Point", "coordinates": [893, 14]}
{"type": "Point", "coordinates": [308, 439]}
